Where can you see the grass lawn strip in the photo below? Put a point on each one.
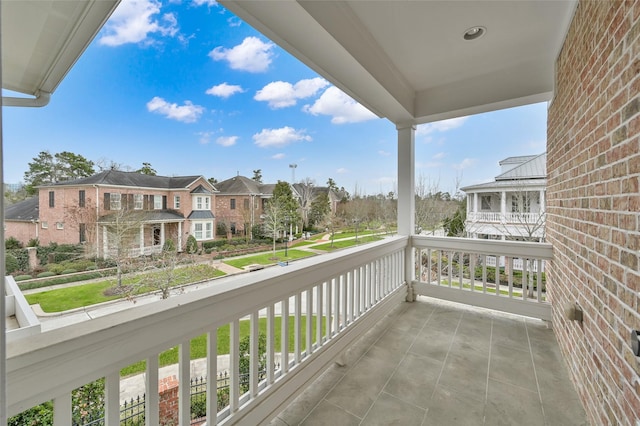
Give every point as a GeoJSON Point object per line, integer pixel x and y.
{"type": "Point", "coordinates": [199, 344]}
{"type": "Point", "coordinates": [346, 243]}
{"type": "Point", "coordinates": [90, 294]}
{"type": "Point", "coordinates": [267, 258]}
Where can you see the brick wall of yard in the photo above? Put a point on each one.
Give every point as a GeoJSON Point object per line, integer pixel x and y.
{"type": "Point", "coordinates": [593, 204]}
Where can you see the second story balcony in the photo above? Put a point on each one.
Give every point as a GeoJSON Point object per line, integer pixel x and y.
{"type": "Point", "coordinates": [510, 218]}
{"type": "Point", "coordinates": [348, 308]}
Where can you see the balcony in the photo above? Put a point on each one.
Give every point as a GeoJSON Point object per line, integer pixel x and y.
{"type": "Point", "coordinates": [349, 307]}
{"type": "Point", "coordinates": [511, 218]}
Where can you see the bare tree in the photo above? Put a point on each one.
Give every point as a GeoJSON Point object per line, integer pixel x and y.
{"type": "Point", "coordinates": [306, 191]}
{"type": "Point", "coordinates": [274, 219]}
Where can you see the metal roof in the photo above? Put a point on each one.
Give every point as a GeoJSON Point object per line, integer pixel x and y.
{"type": "Point", "coordinates": [536, 167]}
{"type": "Point", "coordinates": [201, 215]}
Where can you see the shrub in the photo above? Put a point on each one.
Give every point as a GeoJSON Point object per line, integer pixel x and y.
{"type": "Point", "coordinates": [12, 243]}
{"type": "Point", "coordinates": [192, 245]}
{"type": "Point", "coordinates": [11, 263]}
{"type": "Point", "coordinates": [169, 246]}
{"type": "Point", "coordinates": [34, 242]}
{"type": "Point", "coordinates": [46, 274]}
{"type": "Point", "coordinates": [22, 277]}
{"type": "Point", "coordinates": [69, 271]}
{"type": "Point", "coordinates": [22, 256]}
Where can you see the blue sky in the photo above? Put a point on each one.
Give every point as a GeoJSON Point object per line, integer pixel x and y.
{"type": "Point", "coordinates": [191, 89]}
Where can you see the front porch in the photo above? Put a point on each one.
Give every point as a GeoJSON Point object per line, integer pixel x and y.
{"type": "Point", "coordinates": [440, 363]}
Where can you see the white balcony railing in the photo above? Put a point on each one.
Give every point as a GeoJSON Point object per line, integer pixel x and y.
{"type": "Point", "coordinates": [333, 300]}
{"type": "Point", "coordinates": [463, 270]}
{"type": "Point", "coordinates": [340, 295]}
{"type": "Point", "coordinates": [511, 218]}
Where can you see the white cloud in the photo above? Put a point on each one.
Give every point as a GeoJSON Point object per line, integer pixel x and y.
{"type": "Point", "coordinates": [439, 156]}
{"type": "Point", "coordinates": [429, 165]}
{"type": "Point", "coordinates": [234, 22]}
{"type": "Point", "coordinates": [342, 171]}
{"type": "Point", "coordinates": [279, 137]}
{"type": "Point", "coordinates": [224, 90]}
{"type": "Point", "coordinates": [384, 153]}
{"type": "Point", "coordinates": [227, 140]}
{"type": "Point", "coordinates": [209, 3]}
{"type": "Point", "coordinates": [252, 55]}
{"type": "Point", "coordinates": [281, 94]}
{"type": "Point", "coordinates": [187, 113]}
{"type": "Point", "coordinates": [465, 164]}
{"type": "Point", "coordinates": [441, 126]}
{"type": "Point", "coordinates": [278, 156]}
{"type": "Point", "coordinates": [134, 21]}
{"type": "Point", "coordinates": [342, 108]}
{"type": "Point", "coordinates": [205, 137]}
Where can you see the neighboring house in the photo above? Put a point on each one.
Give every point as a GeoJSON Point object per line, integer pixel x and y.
{"type": "Point", "coordinates": [513, 206]}
{"type": "Point", "coordinates": [21, 220]}
{"type": "Point", "coordinates": [149, 209]}
{"type": "Point", "coordinates": [308, 193]}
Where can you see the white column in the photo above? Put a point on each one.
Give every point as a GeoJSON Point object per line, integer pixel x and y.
{"type": "Point", "coordinates": [475, 202]}
{"type": "Point", "coordinates": [543, 207]}
{"type": "Point", "coordinates": [162, 234]}
{"type": "Point", "coordinates": [180, 237]}
{"type": "Point", "coordinates": [142, 239]}
{"type": "Point", "coordinates": [406, 198]}
{"type": "Point", "coordinates": [406, 180]}
{"type": "Point", "coordinates": [503, 207]}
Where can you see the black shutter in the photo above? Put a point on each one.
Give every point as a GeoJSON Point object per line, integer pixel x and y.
{"type": "Point", "coordinates": [145, 202]}
{"type": "Point", "coordinates": [130, 203]}
{"type": "Point", "coordinates": [107, 201]}
{"type": "Point", "coordinates": [164, 202]}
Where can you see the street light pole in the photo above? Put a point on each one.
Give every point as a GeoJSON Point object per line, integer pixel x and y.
{"type": "Point", "coordinates": [286, 238]}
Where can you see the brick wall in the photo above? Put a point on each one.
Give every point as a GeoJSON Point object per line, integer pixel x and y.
{"type": "Point", "coordinates": [169, 400]}
{"type": "Point", "coordinates": [593, 201]}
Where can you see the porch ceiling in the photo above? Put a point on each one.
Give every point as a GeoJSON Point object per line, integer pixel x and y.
{"type": "Point", "coordinates": [408, 61]}
{"type": "Point", "coordinates": [41, 40]}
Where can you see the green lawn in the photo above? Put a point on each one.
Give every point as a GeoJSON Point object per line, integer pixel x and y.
{"type": "Point", "coordinates": [267, 258]}
{"type": "Point", "coordinates": [199, 344]}
{"type": "Point", "coordinates": [90, 294]}
{"type": "Point", "coordinates": [338, 244]}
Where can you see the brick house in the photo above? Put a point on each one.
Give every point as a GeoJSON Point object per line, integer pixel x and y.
{"type": "Point", "coordinates": [513, 206]}
{"type": "Point", "coordinates": [240, 202]}
{"type": "Point", "coordinates": [155, 208]}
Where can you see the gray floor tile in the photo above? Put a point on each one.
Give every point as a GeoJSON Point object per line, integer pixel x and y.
{"type": "Point", "coordinates": [389, 410]}
{"type": "Point", "coordinates": [513, 366]}
{"type": "Point", "coordinates": [327, 414]}
{"type": "Point", "coordinates": [512, 405]}
{"type": "Point", "coordinates": [450, 408]}
{"type": "Point", "coordinates": [415, 379]}
{"type": "Point", "coordinates": [432, 343]}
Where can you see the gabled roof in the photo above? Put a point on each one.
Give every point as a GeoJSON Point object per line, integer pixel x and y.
{"type": "Point", "coordinates": [201, 190]}
{"type": "Point", "coordinates": [26, 210]}
{"type": "Point", "coordinates": [132, 179]}
{"type": "Point", "coordinates": [535, 168]}
{"type": "Point", "coordinates": [241, 185]}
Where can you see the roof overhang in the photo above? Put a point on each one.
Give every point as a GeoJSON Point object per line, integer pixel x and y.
{"type": "Point", "coordinates": [408, 60]}
{"type": "Point", "coordinates": [42, 40]}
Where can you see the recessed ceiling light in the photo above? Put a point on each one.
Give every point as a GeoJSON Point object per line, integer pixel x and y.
{"type": "Point", "coordinates": [474, 33]}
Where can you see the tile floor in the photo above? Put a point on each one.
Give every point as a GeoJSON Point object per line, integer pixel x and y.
{"type": "Point", "coordinates": [439, 363]}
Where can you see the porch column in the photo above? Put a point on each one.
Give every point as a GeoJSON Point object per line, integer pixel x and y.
{"type": "Point", "coordinates": [142, 240]}
{"type": "Point", "coordinates": [475, 202]}
{"type": "Point", "coordinates": [542, 201]}
{"type": "Point", "coordinates": [406, 199]}
{"type": "Point", "coordinates": [162, 234]}
{"type": "Point", "coordinates": [503, 207]}
{"type": "Point", "coordinates": [179, 237]}
{"type": "Point", "coordinates": [406, 180]}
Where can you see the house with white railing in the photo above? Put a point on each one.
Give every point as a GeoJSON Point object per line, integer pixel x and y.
{"type": "Point", "coordinates": [512, 207]}
{"type": "Point", "coordinates": [411, 63]}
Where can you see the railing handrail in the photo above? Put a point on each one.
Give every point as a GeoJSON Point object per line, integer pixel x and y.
{"type": "Point", "coordinates": [471, 245]}
{"type": "Point", "coordinates": [89, 350]}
